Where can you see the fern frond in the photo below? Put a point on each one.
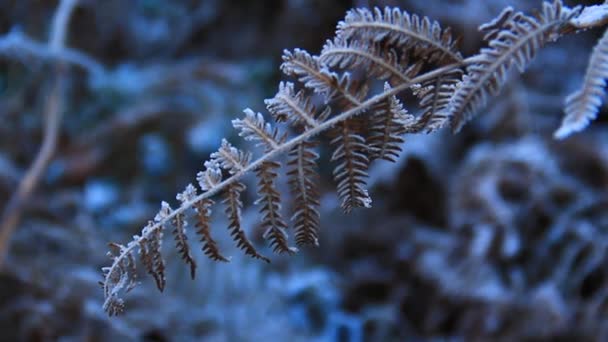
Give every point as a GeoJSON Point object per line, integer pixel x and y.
{"type": "Point", "coordinates": [378, 62]}
{"type": "Point", "coordinates": [515, 40]}
{"type": "Point", "coordinates": [254, 128]}
{"type": "Point", "coordinates": [232, 200]}
{"type": "Point", "coordinates": [287, 105]}
{"type": "Point", "coordinates": [423, 37]}
{"type": "Point", "coordinates": [270, 199]}
{"type": "Point", "coordinates": [583, 105]}
{"type": "Point", "coordinates": [351, 172]}
{"type": "Point", "coordinates": [303, 180]}
{"type": "Point", "coordinates": [388, 122]}
{"type": "Point", "coordinates": [351, 155]}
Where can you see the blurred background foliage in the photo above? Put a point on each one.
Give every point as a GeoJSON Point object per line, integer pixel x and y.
{"type": "Point", "coordinates": [497, 233]}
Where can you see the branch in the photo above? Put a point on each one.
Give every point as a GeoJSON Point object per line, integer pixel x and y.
{"type": "Point", "coordinates": [53, 111]}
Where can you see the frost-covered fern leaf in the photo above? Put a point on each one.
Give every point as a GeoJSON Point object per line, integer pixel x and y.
{"type": "Point", "coordinates": [254, 128]}
{"type": "Point", "coordinates": [303, 180]}
{"type": "Point", "coordinates": [376, 61]}
{"type": "Point", "coordinates": [315, 75]}
{"type": "Point", "coordinates": [270, 200]}
{"type": "Point", "coordinates": [211, 177]}
{"type": "Point", "coordinates": [421, 36]}
{"type": "Point", "coordinates": [232, 200]}
{"type": "Point", "coordinates": [351, 154]}
{"type": "Point", "coordinates": [388, 122]}
{"type": "Point", "coordinates": [296, 108]}
{"type": "Point", "coordinates": [583, 105]}
{"type": "Point", "coordinates": [231, 158]}
{"type": "Point", "coordinates": [515, 40]}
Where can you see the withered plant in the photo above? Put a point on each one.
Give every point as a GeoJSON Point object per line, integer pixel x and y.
{"type": "Point", "coordinates": [352, 91]}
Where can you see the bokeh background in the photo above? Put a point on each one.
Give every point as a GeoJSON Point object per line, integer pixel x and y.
{"type": "Point", "coordinates": [497, 233]}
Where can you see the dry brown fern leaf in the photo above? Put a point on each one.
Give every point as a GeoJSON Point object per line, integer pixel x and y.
{"type": "Point", "coordinates": [397, 53]}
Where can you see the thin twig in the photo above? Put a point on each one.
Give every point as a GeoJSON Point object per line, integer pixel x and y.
{"type": "Point", "coordinates": [53, 110]}
{"type": "Point", "coordinates": [15, 44]}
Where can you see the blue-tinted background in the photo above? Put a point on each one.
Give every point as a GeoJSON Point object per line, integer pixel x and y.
{"type": "Point", "coordinates": [497, 233]}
